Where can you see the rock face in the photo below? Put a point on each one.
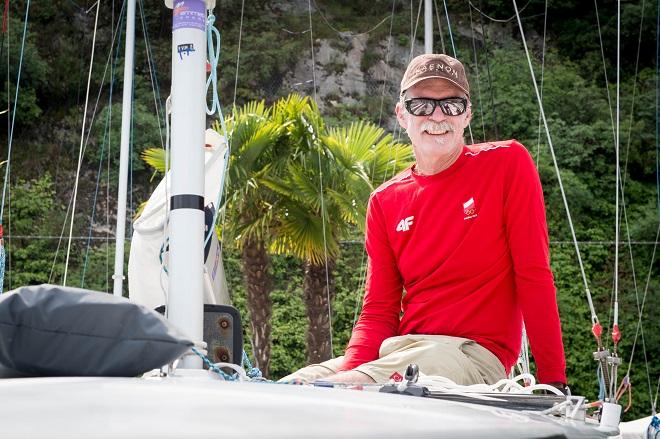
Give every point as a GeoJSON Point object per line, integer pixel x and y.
{"type": "Point", "coordinates": [341, 81]}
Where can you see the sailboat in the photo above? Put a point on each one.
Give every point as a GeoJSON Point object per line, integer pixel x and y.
{"type": "Point", "coordinates": [184, 400]}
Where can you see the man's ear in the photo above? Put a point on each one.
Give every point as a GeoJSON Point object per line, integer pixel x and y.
{"type": "Point", "coordinates": [468, 119]}
{"type": "Point", "coordinates": [400, 115]}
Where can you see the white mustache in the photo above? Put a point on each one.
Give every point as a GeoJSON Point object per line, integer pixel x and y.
{"type": "Point", "coordinates": [436, 126]}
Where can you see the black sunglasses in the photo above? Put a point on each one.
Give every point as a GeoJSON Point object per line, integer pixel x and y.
{"type": "Point", "coordinates": [426, 106]}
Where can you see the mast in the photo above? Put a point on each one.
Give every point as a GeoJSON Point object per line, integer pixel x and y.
{"type": "Point", "coordinates": [428, 26]}
{"type": "Point", "coordinates": [186, 223]}
{"type": "Point", "coordinates": [127, 102]}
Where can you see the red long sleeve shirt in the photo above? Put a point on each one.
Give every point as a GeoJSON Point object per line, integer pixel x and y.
{"type": "Point", "coordinates": [469, 246]}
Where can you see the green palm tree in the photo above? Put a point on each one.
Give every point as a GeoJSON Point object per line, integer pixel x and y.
{"type": "Point", "coordinates": [324, 194]}
{"type": "Point", "coordinates": [253, 136]}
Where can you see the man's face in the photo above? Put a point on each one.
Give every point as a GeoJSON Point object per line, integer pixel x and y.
{"type": "Point", "coordinates": [436, 136]}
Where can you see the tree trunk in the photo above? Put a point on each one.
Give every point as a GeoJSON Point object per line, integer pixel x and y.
{"type": "Point", "coordinates": [315, 296]}
{"type": "Point", "coordinates": [256, 265]}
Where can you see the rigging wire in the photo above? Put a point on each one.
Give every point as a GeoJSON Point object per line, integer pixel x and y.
{"type": "Point", "coordinates": [238, 57]}
{"type": "Point", "coordinates": [153, 75]}
{"type": "Point", "coordinates": [346, 33]}
{"type": "Point", "coordinates": [13, 115]}
{"type": "Point", "coordinates": [437, 20]}
{"type": "Point", "coordinates": [323, 211]}
{"type": "Point", "coordinates": [545, 26]}
{"type": "Point", "coordinates": [657, 108]}
{"type": "Point", "coordinates": [116, 35]}
{"type": "Point", "coordinates": [594, 318]}
{"type": "Point", "coordinates": [490, 82]}
{"type": "Point", "coordinates": [607, 88]}
{"type": "Point", "coordinates": [11, 138]}
{"type": "Point", "coordinates": [634, 95]}
{"type": "Point", "coordinates": [82, 140]}
{"type": "Point", "coordinates": [495, 19]}
{"type": "Point", "coordinates": [387, 63]}
{"type": "Point", "coordinates": [476, 69]}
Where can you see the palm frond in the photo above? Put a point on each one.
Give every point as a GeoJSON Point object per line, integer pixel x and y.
{"type": "Point", "coordinates": [154, 157]}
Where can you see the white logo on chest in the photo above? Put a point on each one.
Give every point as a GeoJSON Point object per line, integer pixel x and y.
{"type": "Point", "coordinates": [469, 209]}
{"type": "Point", "coordinates": [404, 224]}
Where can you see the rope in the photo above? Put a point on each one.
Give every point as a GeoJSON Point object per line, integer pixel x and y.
{"type": "Point", "coordinates": [241, 374]}
{"type": "Point", "coordinates": [81, 149]}
{"type": "Point", "coordinates": [443, 384]}
{"type": "Point", "coordinates": [214, 57]}
{"type": "Point", "coordinates": [213, 51]}
{"type": "Point", "coordinates": [594, 318]}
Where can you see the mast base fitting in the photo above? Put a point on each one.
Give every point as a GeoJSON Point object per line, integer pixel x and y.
{"type": "Point", "coordinates": [613, 360]}
{"type": "Point", "coordinates": [601, 355]}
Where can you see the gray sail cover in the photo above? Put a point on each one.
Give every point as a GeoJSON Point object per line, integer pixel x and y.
{"type": "Point", "coordinates": [49, 330]}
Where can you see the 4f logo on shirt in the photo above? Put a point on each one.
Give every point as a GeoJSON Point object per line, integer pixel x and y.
{"type": "Point", "coordinates": [404, 224]}
{"type": "Point", "coordinates": [469, 209]}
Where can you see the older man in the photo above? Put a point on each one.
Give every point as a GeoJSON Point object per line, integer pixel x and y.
{"type": "Point", "coordinates": [458, 252]}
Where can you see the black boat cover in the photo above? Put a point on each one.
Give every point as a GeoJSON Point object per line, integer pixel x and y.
{"type": "Point", "coordinates": [50, 330]}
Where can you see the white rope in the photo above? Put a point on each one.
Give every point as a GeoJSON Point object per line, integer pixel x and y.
{"type": "Point", "coordinates": [594, 318]}
{"type": "Point", "coordinates": [81, 149]}
{"type": "Point", "coordinates": [443, 384]}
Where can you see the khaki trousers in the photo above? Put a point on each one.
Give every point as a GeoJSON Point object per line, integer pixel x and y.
{"type": "Point", "coordinates": [459, 359]}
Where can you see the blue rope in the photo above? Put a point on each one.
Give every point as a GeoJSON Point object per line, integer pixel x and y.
{"type": "Point", "coordinates": [215, 368]}
{"type": "Point", "coordinates": [11, 140]}
{"type": "Point", "coordinates": [251, 372]}
{"type": "Point", "coordinates": [601, 382]}
{"type": "Point", "coordinates": [212, 82]}
{"type": "Point", "coordinates": [213, 51]}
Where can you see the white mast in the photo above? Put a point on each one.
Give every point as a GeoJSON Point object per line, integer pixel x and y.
{"type": "Point", "coordinates": [428, 26]}
{"type": "Point", "coordinates": [186, 224]}
{"type": "Point", "coordinates": [127, 102]}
